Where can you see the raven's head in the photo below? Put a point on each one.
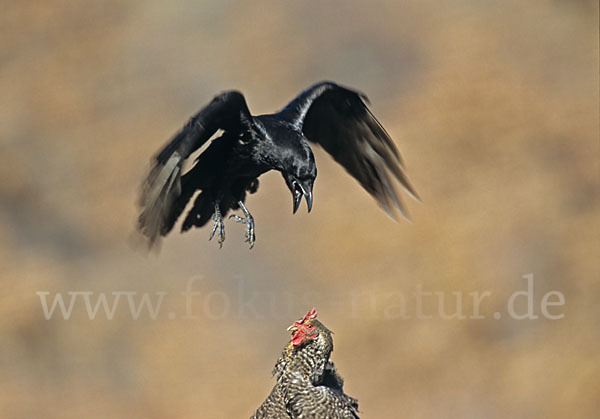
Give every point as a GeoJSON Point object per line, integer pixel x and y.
{"type": "Point", "coordinates": [296, 162]}
{"type": "Point", "coordinates": [300, 184]}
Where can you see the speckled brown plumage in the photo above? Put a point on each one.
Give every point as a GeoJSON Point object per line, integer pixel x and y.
{"type": "Point", "coordinates": [308, 385]}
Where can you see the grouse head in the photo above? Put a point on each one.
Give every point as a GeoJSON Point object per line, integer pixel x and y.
{"type": "Point", "coordinates": [307, 353]}
{"type": "Point", "coordinates": [309, 329]}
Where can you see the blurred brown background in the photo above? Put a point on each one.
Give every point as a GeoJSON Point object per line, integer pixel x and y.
{"type": "Point", "coordinates": [494, 105]}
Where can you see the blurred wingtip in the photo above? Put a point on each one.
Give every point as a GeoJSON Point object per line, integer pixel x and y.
{"type": "Point", "coordinates": [405, 214]}
{"type": "Point", "coordinates": [413, 194]}
{"type": "Point", "coordinates": [393, 210]}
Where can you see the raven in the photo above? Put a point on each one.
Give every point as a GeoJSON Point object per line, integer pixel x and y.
{"type": "Point", "coordinates": [327, 114]}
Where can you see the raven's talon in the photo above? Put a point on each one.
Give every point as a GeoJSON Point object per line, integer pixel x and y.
{"type": "Point", "coordinates": [218, 224]}
{"type": "Point", "coordinates": [250, 237]}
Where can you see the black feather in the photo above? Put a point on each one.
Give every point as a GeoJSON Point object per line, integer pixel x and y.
{"type": "Point", "coordinates": [327, 114]}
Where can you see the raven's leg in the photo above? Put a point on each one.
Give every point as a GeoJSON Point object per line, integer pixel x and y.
{"type": "Point", "coordinates": [249, 221]}
{"type": "Point", "coordinates": [218, 223]}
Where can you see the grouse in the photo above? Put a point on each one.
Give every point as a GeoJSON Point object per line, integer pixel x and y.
{"type": "Point", "coordinates": [308, 385]}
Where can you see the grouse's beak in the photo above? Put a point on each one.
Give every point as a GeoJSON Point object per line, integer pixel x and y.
{"type": "Point", "coordinates": [298, 191]}
{"type": "Point", "coordinates": [292, 328]}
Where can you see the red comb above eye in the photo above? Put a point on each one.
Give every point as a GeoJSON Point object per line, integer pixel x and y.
{"type": "Point", "coordinates": [310, 314]}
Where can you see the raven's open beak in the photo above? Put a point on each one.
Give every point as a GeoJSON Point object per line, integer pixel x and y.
{"type": "Point", "coordinates": [297, 192]}
{"type": "Point", "coordinates": [297, 196]}
{"type": "Point", "coordinates": [308, 197]}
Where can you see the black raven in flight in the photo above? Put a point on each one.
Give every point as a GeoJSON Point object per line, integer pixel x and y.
{"type": "Point", "coordinates": [327, 114]}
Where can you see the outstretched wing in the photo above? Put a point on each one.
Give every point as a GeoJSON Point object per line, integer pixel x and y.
{"type": "Point", "coordinates": [227, 111]}
{"type": "Point", "coordinates": [339, 120]}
